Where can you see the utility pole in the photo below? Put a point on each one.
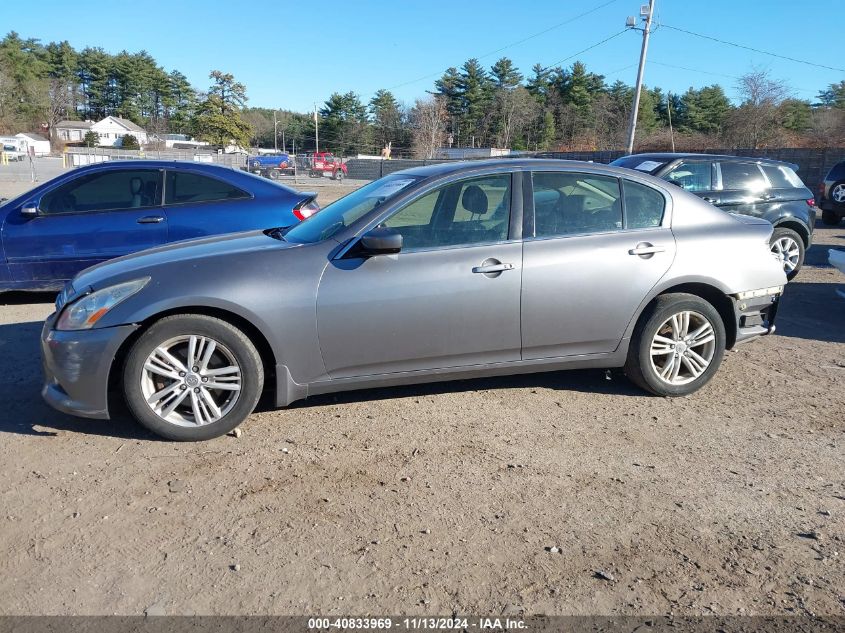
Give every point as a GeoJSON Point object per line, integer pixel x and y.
{"type": "Point", "coordinates": [635, 109]}
{"type": "Point", "coordinates": [669, 110]}
{"type": "Point", "coordinates": [275, 133]}
{"type": "Point", "coordinates": [316, 131]}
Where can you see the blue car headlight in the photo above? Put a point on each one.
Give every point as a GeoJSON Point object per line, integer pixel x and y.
{"type": "Point", "coordinates": [83, 313]}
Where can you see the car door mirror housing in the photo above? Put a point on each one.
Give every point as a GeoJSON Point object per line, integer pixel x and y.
{"type": "Point", "coordinates": [381, 241]}
{"type": "Point", "coordinates": [29, 210]}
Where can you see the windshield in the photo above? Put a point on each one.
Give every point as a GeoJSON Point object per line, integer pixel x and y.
{"type": "Point", "coordinates": [647, 165]}
{"type": "Point", "coordinates": [338, 215]}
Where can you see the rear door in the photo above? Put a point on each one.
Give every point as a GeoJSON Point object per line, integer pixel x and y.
{"type": "Point", "coordinates": [743, 188]}
{"type": "Point", "coordinates": [90, 219]}
{"type": "Point", "coordinates": [588, 265]}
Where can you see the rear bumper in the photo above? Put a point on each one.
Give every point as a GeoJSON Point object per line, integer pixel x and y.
{"type": "Point", "coordinates": [76, 367]}
{"type": "Point", "coordinates": [755, 317]}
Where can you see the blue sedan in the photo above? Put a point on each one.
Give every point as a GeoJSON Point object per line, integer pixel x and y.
{"type": "Point", "coordinates": [106, 210]}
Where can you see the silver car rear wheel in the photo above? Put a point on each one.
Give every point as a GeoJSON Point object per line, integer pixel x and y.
{"type": "Point", "coordinates": [677, 345]}
{"type": "Point", "coordinates": [191, 380]}
{"type": "Point", "coordinates": [683, 347]}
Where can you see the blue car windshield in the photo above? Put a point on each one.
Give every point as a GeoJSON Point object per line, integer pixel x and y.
{"type": "Point", "coordinates": [341, 214]}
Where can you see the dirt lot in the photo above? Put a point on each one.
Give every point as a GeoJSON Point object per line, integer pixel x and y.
{"type": "Point", "coordinates": [449, 497]}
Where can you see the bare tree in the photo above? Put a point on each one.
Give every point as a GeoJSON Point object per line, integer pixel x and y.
{"type": "Point", "coordinates": [516, 108]}
{"type": "Point", "coordinates": [428, 118]}
{"type": "Point", "coordinates": [753, 123]}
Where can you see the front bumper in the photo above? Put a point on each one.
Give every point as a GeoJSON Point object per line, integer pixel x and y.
{"type": "Point", "coordinates": [76, 367]}
{"type": "Point", "coordinates": [755, 317]}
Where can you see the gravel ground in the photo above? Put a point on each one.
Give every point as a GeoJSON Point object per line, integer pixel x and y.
{"type": "Point", "coordinates": [559, 493]}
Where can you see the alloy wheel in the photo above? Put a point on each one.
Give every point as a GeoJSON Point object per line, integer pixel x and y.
{"type": "Point", "coordinates": [838, 193]}
{"type": "Point", "coordinates": [191, 380]}
{"type": "Point", "coordinates": [787, 251]}
{"type": "Point", "coordinates": [683, 347]}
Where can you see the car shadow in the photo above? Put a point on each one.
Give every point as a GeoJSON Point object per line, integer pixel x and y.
{"type": "Point", "coordinates": [812, 311]}
{"type": "Point", "coordinates": [24, 412]}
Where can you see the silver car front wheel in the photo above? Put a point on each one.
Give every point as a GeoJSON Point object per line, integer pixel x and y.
{"type": "Point", "coordinates": [191, 380]}
{"type": "Point", "coordinates": [192, 377]}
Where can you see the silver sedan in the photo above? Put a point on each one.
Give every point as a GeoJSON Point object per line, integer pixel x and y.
{"type": "Point", "coordinates": [438, 273]}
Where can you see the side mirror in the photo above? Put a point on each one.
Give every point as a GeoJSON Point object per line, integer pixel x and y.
{"type": "Point", "coordinates": [381, 241]}
{"type": "Point", "coordinates": [29, 211]}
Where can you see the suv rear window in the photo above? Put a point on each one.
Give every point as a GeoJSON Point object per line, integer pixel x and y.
{"type": "Point", "coordinates": [741, 176]}
{"type": "Point", "coordinates": [781, 177]}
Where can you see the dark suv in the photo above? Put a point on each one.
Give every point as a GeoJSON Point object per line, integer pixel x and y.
{"type": "Point", "coordinates": [760, 187]}
{"type": "Point", "coordinates": [832, 195]}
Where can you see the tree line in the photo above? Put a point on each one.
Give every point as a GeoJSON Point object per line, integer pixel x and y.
{"type": "Point", "coordinates": [557, 108]}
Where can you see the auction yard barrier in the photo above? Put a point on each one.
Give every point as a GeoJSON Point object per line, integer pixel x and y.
{"type": "Point", "coordinates": [76, 156]}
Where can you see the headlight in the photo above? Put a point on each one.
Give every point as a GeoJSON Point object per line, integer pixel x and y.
{"type": "Point", "coordinates": [83, 313]}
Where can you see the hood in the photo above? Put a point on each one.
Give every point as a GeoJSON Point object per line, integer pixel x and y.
{"type": "Point", "coordinates": [207, 248]}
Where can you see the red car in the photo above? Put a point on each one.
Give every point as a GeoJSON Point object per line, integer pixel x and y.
{"type": "Point", "coordinates": [319, 163]}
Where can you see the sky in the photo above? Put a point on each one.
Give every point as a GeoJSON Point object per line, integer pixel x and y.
{"type": "Point", "coordinates": [291, 55]}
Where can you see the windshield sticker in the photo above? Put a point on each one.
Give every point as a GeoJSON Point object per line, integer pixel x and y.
{"type": "Point", "coordinates": [648, 165]}
{"type": "Point", "coordinates": [389, 188]}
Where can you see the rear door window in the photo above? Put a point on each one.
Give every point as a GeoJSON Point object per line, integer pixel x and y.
{"type": "Point", "coordinates": [742, 177]}
{"type": "Point", "coordinates": [184, 187]}
{"type": "Point", "coordinates": [567, 203]}
{"type": "Point", "coordinates": [643, 205]}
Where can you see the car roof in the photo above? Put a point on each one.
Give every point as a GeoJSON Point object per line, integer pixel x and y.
{"type": "Point", "coordinates": [155, 164]}
{"type": "Point", "coordinates": [668, 156]}
{"type": "Point", "coordinates": [450, 167]}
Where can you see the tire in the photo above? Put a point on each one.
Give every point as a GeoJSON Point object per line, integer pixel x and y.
{"type": "Point", "coordinates": [274, 174]}
{"type": "Point", "coordinates": [789, 247]}
{"type": "Point", "coordinates": [837, 192]}
{"type": "Point", "coordinates": [830, 218]}
{"type": "Point", "coordinates": [174, 334]}
{"type": "Point", "coordinates": [644, 370]}
{"type": "Point", "coordinates": [338, 175]}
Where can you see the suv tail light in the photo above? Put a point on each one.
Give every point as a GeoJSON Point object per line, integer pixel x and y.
{"type": "Point", "coordinates": [821, 190]}
{"type": "Point", "coordinates": [306, 208]}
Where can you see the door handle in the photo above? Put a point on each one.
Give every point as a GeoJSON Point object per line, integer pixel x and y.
{"type": "Point", "coordinates": [766, 196]}
{"type": "Point", "coordinates": [710, 200]}
{"type": "Point", "coordinates": [646, 249]}
{"type": "Point", "coordinates": [151, 219]}
{"type": "Point", "coordinates": [492, 268]}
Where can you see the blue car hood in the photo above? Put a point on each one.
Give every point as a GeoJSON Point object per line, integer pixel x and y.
{"type": "Point", "coordinates": [191, 252]}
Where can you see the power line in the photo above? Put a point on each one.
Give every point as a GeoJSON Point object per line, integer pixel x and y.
{"type": "Point", "coordinates": [750, 48]}
{"type": "Point", "coordinates": [589, 48]}
{"type": "Point", "coordinates": [516, 43]}
{"type": "Point", "coordinates": [707, 72]}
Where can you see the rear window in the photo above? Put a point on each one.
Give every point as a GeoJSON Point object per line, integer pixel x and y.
{"type": "Point", "coordinates": [742, 176]}
{"type": "Point", "coordinates": [782, 177]}
{"type": "Point", "coordinates": [183, 187]}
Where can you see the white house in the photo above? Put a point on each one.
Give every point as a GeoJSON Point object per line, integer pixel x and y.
{"type": "Point", "coordinates": [37, 145]}
{"type": "Point", "coordinates": [72, 131]}
{"type": "Point", "coordinates": [111, 131]}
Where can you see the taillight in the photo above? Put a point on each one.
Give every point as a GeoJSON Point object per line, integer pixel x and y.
{"type": "Point", "coordinates": [821, 190]}
{"type": "Point", "coordinates": [306, 209]}
{"type": "Point", "coordinates": [811, 202]}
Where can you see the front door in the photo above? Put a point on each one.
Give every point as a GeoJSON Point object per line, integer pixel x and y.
{"type": "Point", "coordinates": [589, 264]}
{"type": "Point", "coordinates": [83, 222]}
{"type": "Point", "coordinates": [450, 298]}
